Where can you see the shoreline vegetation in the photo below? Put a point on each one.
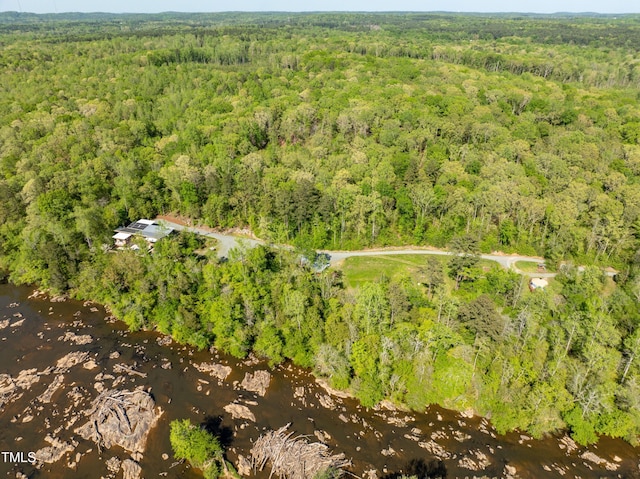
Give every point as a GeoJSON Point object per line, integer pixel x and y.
{"type": "Point", "coordinates": [345, 131]}
{"type": "Point", "coordinates": [326, 369]}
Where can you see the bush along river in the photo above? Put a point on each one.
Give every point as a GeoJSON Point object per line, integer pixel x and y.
{"type": "Point", "coordinates": [82, 397]}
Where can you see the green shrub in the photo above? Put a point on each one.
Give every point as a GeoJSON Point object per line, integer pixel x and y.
{"type": "Point", "coordinates": [201, 448]}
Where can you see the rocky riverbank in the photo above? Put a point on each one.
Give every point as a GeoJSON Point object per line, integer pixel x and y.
{"type": "Point", "coordinates": [94, 400]}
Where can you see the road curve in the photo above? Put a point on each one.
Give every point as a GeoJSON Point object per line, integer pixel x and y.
{"type": "Point", "coordinates": [227, 242]}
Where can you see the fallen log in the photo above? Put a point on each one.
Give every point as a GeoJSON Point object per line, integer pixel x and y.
{"type": "Point", "coordinates": [118, 368]}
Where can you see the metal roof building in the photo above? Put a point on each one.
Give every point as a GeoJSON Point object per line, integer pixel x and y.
{"type": "Point", "coordinates": [148, 229]}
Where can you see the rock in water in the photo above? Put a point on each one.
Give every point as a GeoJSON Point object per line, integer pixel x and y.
{"type": "Point", "coordinates": [74, 338]}
{"type": "Point", "coordinates": [215, 370]}
{"type": "Point", "coordinates": [54, 452]}
{"type": "Point", "coordinates": [70, 360]}
{"type": "Point", "coordinates": [113, 464]}
{"type": "Point", "coordinates": [10, 387]}
{"type": "Point", "coordinates": [122, 418]}
{"type": "Point", "coordinates": [56, 384]}
{"type": "Point", "coordinates": [238, 411]}
{"type": "Point", "coordinates": [130, 469]}
{"type": "Point", "coordinates": [257, 382]}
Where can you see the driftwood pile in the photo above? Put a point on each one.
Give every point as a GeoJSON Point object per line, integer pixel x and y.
{"type": "Point", "coordinates": [122, 418]}
{"type": "Point", "coordinates": [293, 458]}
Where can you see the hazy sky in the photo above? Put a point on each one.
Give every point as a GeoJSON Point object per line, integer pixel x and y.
{"type": "Point", "coordinates": [150, 6]}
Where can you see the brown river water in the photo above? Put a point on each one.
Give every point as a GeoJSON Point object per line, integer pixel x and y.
{"type": "Point", "coordinates": [387, 441]}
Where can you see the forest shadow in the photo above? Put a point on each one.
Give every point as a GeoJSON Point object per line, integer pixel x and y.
{"type": "Point", "coordinates": [213, 425]}
{"type": "Point", "coordinates": [434, 469]}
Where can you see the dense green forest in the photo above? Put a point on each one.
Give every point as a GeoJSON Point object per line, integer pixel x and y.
{"type": "Point", "coordinates": [343, 131]}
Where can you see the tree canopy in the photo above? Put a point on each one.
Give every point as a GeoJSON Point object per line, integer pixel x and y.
{"type": "Point", "coordinates": [514, 133]}
{"type": "Point", "coordinates": [197, 446]}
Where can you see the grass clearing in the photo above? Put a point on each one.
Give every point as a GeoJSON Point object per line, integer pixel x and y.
{"type": "Point", "coordinates": [362, 269]}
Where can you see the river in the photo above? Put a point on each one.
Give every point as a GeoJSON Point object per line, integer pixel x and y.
{"type": "Point", "coordinates": [35, 333]}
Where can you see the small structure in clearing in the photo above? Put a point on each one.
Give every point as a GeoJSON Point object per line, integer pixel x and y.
{"type": "Point", "coordinates": [319, 264]}
{"type": "Point", "coordinates": [150, 230]}
{"type": "Point", "coordinates": [538, 283]}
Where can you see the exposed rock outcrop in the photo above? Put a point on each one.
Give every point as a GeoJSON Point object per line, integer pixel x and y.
{"type": "Point", "coordinates": [11, 388]}
{"type": "Point", "coordinates": [435, 449]}
{"type": "Point", "coordinates": [130, 469]}
{"type": "Point", "coordinates": [238, 411]}
{"type": "Point", "coordinates": [56, 384]}
{"type": "Point", "coordinates": [568, 444]}
{"type": "Point", "coordinates": [334, 392]}
{"type": "Point", "coordinates": [55, 451]}
{"type": "Point", "coordinates": [214, 370]}
{"type": "Point", "coordinates": [26, 378]}
{"type": "Point", "coordinates": [257, 382]}
{"type": "Point", "coordinates": [91, 364]}
{"type": "Point", "coordinates": [510, 472]}
{"type": "Point", "coordinates": [113, 464]}
{"type": "Point", "coordinates": [76, 338]}
{"type": "Point", "coordinates": [592, 457]}
{"type": "Point", "coordinates": [70, 360]}
{"type": "Point", "coordinates": [480, 462]}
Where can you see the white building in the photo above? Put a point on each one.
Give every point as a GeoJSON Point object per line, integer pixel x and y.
{"type": "Point", "coordinates": [148, 229]}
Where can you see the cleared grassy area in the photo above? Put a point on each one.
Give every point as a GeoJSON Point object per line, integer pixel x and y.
{"type": "Point", "coordinates": [532, 267]}
{"type": "Point", "coordinates": [361, 269]}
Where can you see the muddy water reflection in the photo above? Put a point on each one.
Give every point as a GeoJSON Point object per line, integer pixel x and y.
{"type": "Point", "coordinates": [384, 441]}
